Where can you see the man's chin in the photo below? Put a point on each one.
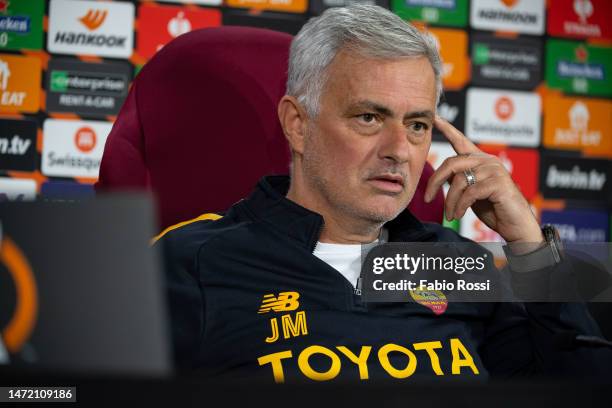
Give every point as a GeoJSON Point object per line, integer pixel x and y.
{"type": "Point", "coordinates": [383, 212]}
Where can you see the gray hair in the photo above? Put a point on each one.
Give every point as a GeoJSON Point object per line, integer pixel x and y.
{"type": "Point", "coordinates": [367, 30]}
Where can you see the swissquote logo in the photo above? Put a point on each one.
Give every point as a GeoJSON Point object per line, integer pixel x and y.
{"type": "Point", "coordinates": [73, 148]}
{"type": "Point", "coordinates": [523, 16]}
{"type": "Point", "coordinates": [85, 139]}
{"type": "Point", "coordinates": [503, 117]}
{"type": "Point", "coordinates": [504, 108]}
{"type": "Point", "coordinates": [94, 28]}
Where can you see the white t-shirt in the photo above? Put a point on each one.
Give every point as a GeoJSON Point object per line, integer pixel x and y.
{"type": "Point", "coordinates": [346, 258]}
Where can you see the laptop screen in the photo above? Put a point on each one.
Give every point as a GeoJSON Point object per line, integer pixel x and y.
{"type": "Point", "coordinates": [81, 287]}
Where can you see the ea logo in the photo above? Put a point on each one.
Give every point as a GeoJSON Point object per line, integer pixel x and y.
{"type": "Point", "coordinates": [504, 108]}
{"type": "Point", "coordinates": [85, 139]}
{"type": "Point", "coordinates": [23, 319]}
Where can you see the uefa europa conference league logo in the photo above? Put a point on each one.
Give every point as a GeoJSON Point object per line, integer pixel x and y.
{"type": "Point", "coordinates": [17, 328]}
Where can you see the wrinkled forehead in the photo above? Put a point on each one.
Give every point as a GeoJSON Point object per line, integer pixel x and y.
{"type": "Point", "coordinates": [402, 83]}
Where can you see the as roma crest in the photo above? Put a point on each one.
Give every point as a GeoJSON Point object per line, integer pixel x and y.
{"type": "Point", "coordinates": [432, 299]}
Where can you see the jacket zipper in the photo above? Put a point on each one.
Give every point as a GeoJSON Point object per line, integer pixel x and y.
{"type": "Point", "coordinates": [357, 288]}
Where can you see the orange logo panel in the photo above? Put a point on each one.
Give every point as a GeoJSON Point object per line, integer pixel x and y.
{"type": "Point", "coordinates": [578, 124]}
{"type": "Point", "coordinates": [292, 6]}
{"type": "Point", "coordinates": [19, 83]}
{"type": "Point", "coordinates": [453, 46]}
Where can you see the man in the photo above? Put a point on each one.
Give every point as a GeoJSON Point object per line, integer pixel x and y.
{"type": "Point", "coordinates": [269, 290]}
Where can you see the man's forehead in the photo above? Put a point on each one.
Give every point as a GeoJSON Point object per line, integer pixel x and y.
{"type": "Point", "coordinates": [356, 79]}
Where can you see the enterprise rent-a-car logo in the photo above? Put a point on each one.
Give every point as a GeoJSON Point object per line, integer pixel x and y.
{"type": "Point", "coordinates": [91, 28]}
{"type": "Point", "coordinates": [87, 88]}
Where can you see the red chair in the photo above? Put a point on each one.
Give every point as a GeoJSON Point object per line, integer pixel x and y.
{"type": "Point", "coordinates": [199, 126]}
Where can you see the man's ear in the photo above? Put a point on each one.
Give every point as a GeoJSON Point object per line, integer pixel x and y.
{"type": "Point", "coordinates": [293, 120]}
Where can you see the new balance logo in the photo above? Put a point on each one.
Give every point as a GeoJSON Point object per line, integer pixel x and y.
{"type": "Point", "coordinates": [93, 19]}
{"type": "Point", "coordinates": [284, 302]}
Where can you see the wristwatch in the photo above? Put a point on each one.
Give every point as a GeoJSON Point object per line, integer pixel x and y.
{"type": "Point", "coordinates": [547, 255]}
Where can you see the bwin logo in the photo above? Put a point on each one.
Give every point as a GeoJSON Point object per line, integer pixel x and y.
{"type": "Point", "coordinates": [93, 19]}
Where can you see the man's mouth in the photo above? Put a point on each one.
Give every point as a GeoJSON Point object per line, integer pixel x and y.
{"type": "Point", "coordinates": [391, 183]}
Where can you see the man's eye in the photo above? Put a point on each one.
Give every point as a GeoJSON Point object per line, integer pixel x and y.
{"type": "Point", "coordinates": [419, 127]}
{"type": "Point", "coordinates": [368, 117]}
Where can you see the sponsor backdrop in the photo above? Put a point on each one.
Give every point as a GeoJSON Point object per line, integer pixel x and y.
{"type": "Point", "coordinates": [528, 80]}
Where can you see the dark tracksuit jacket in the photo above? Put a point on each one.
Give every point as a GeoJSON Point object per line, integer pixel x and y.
{"type": "Point", "coordinates": [248, 299]}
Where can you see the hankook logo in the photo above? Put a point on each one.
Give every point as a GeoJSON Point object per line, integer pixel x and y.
{"type": "Point", "coordinates": [75, 27]}
{"type": "Point", "coordinates": [93, 19]}
{"type": "Point", "coordinates": [522, 16]}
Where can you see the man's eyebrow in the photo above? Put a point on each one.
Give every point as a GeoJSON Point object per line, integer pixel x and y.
{"type": "Point", "coordinates": [383, 110]}
{"type": "Point", "coordinates": [420, 114]}
{"type": "Point", "coordinates": [370, 105]}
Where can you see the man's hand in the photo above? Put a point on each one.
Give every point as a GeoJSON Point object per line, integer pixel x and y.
{"type": "Point", "coordinates": [495, 199]}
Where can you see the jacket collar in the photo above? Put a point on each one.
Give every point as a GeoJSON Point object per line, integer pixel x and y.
{"type": "Point", "coordinates": [268, 203]}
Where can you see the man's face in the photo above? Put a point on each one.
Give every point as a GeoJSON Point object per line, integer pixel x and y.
{"type": "Point", "coordinates": [364, 153]}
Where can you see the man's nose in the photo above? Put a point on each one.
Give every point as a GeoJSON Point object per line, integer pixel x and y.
{"type": "Point", "coordinates": [394, 144]}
